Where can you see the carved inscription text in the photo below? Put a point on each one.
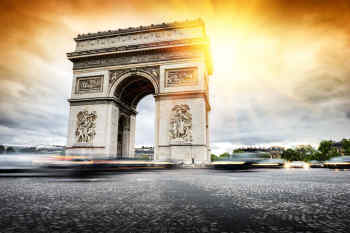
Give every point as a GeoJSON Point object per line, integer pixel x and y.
{"type": "Point", "coordinates": [181, 77]}
{"type": "Point", "coordinates": [89, 84]}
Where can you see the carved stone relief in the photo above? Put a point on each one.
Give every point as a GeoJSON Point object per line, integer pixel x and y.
{"type": "Point", "coordinates": [134, 59]}
{"type": "Point", "coordinates": [86, 125]}
{"type": "Point", "coordinates": [89, 84]}
{"type": "Point", "coordinates": [115, 74]}
{"type": "Point", "coordinates": [180, 128]}
{"type": "Point", "coordinates": [181, 77]}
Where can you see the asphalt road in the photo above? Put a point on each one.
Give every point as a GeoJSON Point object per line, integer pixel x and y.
{"type": "Point", "coordinates": [186, 200]}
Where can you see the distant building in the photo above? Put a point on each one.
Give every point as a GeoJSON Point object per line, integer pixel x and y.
{"type": "Point", "coordinates": [276, 151]}
{"type": "Point", "coordinates": [339, 147]}
{"type": "Point", "coordinates": [145, 152]}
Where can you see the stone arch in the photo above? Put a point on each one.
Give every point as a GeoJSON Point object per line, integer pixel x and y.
{"type": "Point", "coordinates": [129, 87]}
{"type": "Point", "coordinates": [171, 61]}
{"type": "Point", "coordinates": [129, 78]}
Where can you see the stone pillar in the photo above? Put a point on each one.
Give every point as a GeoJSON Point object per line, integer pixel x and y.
{"type": "Point", "coordinates": [156, 129]}
{"type": "Point", "coordinates": [126, 140]}
{"type": "Point", "coordinates": [132, 130]}
{"type": "Point", "coordinates": [182, 129]}
{"type": "Point", "coordinates": [92, 129]}
{"type": "Point", "coordinates": [112, 131]}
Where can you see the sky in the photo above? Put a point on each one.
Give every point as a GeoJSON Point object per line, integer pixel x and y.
{"type": "Point", "coordinates": [281, 68]}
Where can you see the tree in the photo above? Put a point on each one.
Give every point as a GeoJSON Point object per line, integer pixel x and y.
{"type": "Point", "coordinates": [225, 155]}
{"type": "Point", "coordinates": [289, 155]}
{"type": "Point", "coordinates": [327, 150]}
{"type": "Point", "coordinates": [325, 146]}
{"type": "Point", "coordinates": [332, 153]}
{"type": "Point", "coordinates": [306, 153]}
{"type": "Point", "coordinates": [345, 143]}
{"type": "Point", "coordinates": [214, 157]}
{"type": "Point", "coordinates": [2, 149]}
{"type": "Point", "coordinates": [238, 151]}
{"type": "Point", "coordinates": [10, 149]}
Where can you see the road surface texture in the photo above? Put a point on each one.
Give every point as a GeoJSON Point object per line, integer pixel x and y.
{"type": "Point", "coordinates": [183, 200]}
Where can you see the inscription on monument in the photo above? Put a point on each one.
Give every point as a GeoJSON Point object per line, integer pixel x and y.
{"type": "Point", "coordinates": [181, 77]}
{"type": "Point", "coordinates": [89, 84]}
{"type": "Point", "coordinates": [133, 59]}
{"type": "Point", "coordinates": [180, 129]}
{"type": "Point", "coordinates": [86, 124]}
{"type": "Point", "coordinates": [137, 38]}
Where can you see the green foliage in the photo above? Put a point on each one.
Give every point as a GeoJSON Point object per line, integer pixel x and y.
{"type": "Point", "coordinates": [327, 149]}
{"type": "Point", "coordinates": [265, 155]}
{"type": "Point", "coordinates": [225, 155]}
{"type": "Point", "coordinates": [289, 155]}
{"type": "Point", "coordinates": [235, 151]}
{"type": "Point", "coordinates": [345, 143]}
{"type": "Point", "coordinates": [214, 157]}
{"type": "Point", "coordinates": [10, 149]}
{"type": "Point", "coordinates": [325, 146]}
{"type": "Point", "coordinates": [307, 153]}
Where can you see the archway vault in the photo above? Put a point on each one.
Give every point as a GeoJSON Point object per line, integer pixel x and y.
{"type": "Point", "coordinates": [114, 70]}
{"type": "Point", "coordinates": [131, 86]}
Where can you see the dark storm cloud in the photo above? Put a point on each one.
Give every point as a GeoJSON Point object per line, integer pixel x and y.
{"type": "Point", "coordinates": [8, 121]}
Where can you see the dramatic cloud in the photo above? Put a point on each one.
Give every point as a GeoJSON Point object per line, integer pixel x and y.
{"type": "Point", "coordinates": [281, 68]}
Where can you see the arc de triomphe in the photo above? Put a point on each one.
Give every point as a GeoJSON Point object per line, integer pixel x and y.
{"type": "Point", "coordinates": [114, 70]}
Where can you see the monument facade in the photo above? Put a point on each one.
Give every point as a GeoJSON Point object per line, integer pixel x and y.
{"type": "Point", "coordinates": [114, 70]}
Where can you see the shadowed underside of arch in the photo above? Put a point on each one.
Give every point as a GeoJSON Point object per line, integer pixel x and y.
{"type": "Point", "coordinates": [132, 89]}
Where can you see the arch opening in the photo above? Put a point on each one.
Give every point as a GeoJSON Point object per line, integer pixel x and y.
{"type": "Point", "coordinates": [130, 90]}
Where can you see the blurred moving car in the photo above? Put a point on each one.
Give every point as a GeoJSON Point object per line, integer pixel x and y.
{"type": "Point", "coordinates": [238, 161]}
{"type": "Point", "coordinates": [231, 164]}
{"type": "Point", "coordinates": [86, 163]}
{"type": "Point", "coordinates": [17, 162]}
{"type": "Point", "coordinates": [270, 163]}
{"type": "Point", "coordinates": [297, 164]}
{"type": "Point", "coordinates": [338, 162]}
{"type": "Point", "coordinates": [62, 161]}
{"type": "Point", "coordinates": [315, 164]}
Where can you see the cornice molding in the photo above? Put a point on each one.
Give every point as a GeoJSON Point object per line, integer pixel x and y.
{"type": "Point", "coordinates": [138, 48]}
{"type": "Point", "coordinates": [140, 29]}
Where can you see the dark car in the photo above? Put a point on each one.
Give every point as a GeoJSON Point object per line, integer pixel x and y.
{"type": "Point", "coordinates": [270, 163]}
{"type": "Point", "coordinates": [238, 161]}
{"type": "Point", "coordinates": [315, 164]}
{"type": "Point", "coordinates": [338, 162]}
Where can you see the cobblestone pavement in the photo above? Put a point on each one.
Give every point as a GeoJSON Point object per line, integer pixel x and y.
{"type": "Point", "coordinates": [186, 200]}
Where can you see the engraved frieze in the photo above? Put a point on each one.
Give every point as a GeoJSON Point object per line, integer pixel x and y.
{"type": "Point", "coordinates": [180, 128]}
{"type": "Point", "coordinates": [86, 125]}
{"type": "Point", "coordinates": [115, 74]}
{"type": "Point", "coordinates": [145, 37]}
{"type": "Point", "coordinates": [134, 59]}
{"type": "Point", "coordinates": [181, 77]}
{"type": "Point", "coordinates": [89, 84]}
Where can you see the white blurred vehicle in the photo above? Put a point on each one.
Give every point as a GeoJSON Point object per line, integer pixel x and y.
{"type": "Point", "coordinates": [297, 164]}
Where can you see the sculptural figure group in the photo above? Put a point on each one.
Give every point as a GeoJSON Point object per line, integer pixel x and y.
{"type": "Point", "coordinates": [85, 131]}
